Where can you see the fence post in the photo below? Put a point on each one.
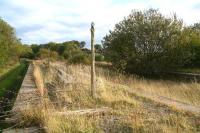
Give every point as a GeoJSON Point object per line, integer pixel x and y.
{"type": "Point", "coordinates": [93, 89]}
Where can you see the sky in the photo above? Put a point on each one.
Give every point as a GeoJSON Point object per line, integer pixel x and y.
{"type": "Point", "coordinates": [42, 21]}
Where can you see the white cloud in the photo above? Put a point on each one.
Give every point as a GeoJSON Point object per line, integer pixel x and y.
{"type": "Point", "coordinates": [61, 20]}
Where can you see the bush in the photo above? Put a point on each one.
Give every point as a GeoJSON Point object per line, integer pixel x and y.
{"type": "Point", "coordinates": [99, 57]}
{"type": "Point", "coordinates": [45, 53]}
{"type": "Point", "coordinates": [80, 58]}
{"type": "Point", "coordinates": [195, 46]}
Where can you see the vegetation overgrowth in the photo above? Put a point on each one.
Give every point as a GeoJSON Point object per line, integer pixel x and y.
{"type": "Point", "coordinates": [13, 78]}
{"type": "Point", "coordinates": [145, 42]}
{"type": "Point", "coordinates": [69, 97]}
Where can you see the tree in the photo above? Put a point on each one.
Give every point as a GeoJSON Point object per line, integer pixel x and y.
{"type": "Point", "coordinates": [70, 49]}
{"type": "Point", "coordinates": [196, 27]}
{"type": "Point", "coordinates": [24, 51]}
{"type": "Point", "coordinates": [195, 45]}
{"type": "Point", "coordinates": [98, 48]}
{"type": "Point", "coordinates": [35, 48]}
{"type": "Point", "coordinates": [52, 46]}
{"type": "Point", "coordinates": [148, 42]}
{"type": "Point", "coordinates": [46, 53]}
{"type": "Point", "coordinates": [66, 50]}
{"type": "Point", "coordinates": [82, 44]}
{"type": "Point", "coordinates": [8, 44]}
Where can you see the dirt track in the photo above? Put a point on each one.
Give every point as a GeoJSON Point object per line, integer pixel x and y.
{"type": "Point", "coordinates": [170, 102]}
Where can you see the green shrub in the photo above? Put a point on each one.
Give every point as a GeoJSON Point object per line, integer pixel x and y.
{"type": "Point", "coordinates": [45, 53]}
{"type": "Point", "coordinates": [99, 57]}
{"type": "Point", "coordinates": [80, 58]}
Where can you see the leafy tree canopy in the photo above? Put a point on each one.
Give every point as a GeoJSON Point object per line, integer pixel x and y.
{"type": "Point", "coordinates": [148, 42]}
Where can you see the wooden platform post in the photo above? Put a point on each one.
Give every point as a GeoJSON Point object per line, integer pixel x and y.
{"type": "Point", "coordinates": [93, 89]}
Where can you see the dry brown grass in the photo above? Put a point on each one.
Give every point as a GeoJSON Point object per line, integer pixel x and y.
{"type": "Point", "coordinates": [70, 90]}
{"type": "Point", "coordinates": [38, 78]}
{"type": "Point", "coordinates": [188, 92]}
{"type": "Point", "coordinates": [184, 92]}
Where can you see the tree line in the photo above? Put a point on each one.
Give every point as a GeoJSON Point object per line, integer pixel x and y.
{"type": "Point", "coordinates": [71, 51]}
{"type": "Point", "coordinates": [11, 49]}
{"type": "Point", "coordinates": [145, 42]}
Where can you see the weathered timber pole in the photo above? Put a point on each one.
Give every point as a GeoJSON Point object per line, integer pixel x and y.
{"type": "Point", "coordinates": [93, 89]}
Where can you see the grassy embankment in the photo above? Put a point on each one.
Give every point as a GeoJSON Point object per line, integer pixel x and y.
{"type": "Point", "coordinates": [9, 86]}
{"type": "Point", "coordinates": [69, 93]}
{"type": "Point", "coordinates": [5, 70]}
{"type": "Point", "coordinates": [11, 81]}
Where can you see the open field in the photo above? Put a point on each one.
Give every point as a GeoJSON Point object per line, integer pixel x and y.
{"type": "Point", "coordinates": [68, 106]}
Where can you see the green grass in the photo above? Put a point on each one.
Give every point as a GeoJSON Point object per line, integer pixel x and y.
{"type": "Point", "coordinates": [12, 79]}
{"type": "Point", "coordinates": [4, 70]}
{"type": "Point", "coordinates": [9, 86]}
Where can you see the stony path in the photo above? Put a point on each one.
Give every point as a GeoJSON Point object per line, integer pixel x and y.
{"type": "Point", "coordinates": [27, 95]}
{"type": "Point", "coordinates": [25, 130]}
{"type": "Point", "coordinates": [170, 102]}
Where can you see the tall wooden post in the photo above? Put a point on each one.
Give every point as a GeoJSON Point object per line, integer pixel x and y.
{"type": "Point", "coordinates": [93, 62]}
